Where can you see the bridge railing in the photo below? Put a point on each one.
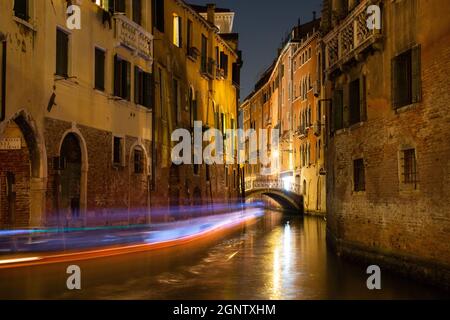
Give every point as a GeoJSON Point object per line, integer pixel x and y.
{"type": "Point", "coordinates": [272, 184]}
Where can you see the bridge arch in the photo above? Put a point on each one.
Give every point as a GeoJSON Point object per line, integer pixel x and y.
{"type": "Point", "coordinates": [289, 200]}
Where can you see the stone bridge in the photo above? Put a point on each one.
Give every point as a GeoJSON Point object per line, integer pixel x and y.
{"type": "Point", "coordinates": [287, 195]}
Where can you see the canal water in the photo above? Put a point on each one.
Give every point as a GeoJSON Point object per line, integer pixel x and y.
{"type": "Point", "coordinates": [277, 257]}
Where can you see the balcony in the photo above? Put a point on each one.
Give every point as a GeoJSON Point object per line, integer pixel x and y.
{"type": "Point", "coordinates": [220, 74]}
{"type": "Point", "coordinates": [132, 36]}
{"type": "Point", "coordinates": [350, 39]}
{"type": "Point", "coordinates": [193, 53]}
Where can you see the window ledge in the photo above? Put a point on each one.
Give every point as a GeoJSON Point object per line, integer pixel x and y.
{"type": "Point", "coordinates": [406, 108]}
{"type": "Point", "coordinates": [358, 193]}
{"type": "Point", "coordinates": [69, 81]}
{"type": "Point", "coordinates": [24, 23]}
{"type": "Point", "coordinates": [356, 125]}
{"type": "Point", "coordinates": [101, 92]}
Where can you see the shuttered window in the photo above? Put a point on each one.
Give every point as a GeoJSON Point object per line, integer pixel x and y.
{"type": "Point", "coordinates": [99, 69]}
{"type": "Point", "coordinates": [119, 6]}
{"type": "Point", "coordinates": [142, 87]}
{"type": "Point", "coordinates": [204, 54]}
{"type": "Point", "coordinates": [224, 63]}
{"type": "Point", "coordinates": [406, 78]}
{"type": "Point", "coordinates": [118, 146]}
{"type": "Point", "coordinates": [121, 78]}
{"type": "Point", "coordinates": [158, 14]}
{"type": "Point", "coordinates": [137, 11]}
{"type": "Point", "coordinates": [21, 8]}
{"type": "Point", "coordinates": [62, 53]}
{"type": "Point", "coordinates": [355, 107]}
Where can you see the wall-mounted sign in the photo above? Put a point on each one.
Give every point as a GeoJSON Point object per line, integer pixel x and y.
{"type": "Point", "coordinates": [10, 144]}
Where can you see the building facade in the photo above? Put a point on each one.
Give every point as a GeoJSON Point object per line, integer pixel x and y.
{"type": "Point", "coordinates": [79, 144]}
{"type": "Point", "coordinates": [286, 99]}
{"type": "Point", "coordinates": [197, 66]}
{"type": "Point", "coordinates": [388, 167]}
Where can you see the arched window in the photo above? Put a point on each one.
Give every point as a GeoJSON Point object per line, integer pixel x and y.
{"type": "Point", "coordinates": [138, 157]}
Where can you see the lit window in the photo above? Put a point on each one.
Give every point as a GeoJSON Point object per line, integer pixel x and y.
{"type": "Point", "coordinates": [177, 30]}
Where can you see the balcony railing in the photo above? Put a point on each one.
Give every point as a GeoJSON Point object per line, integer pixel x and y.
{"type": "Point", "coordinates": [131, 35]}
{"type": "Point", "coordinates": [350, 38]}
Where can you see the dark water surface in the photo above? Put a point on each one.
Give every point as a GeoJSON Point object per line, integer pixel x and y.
{"type": "Point", "coordinates": [277, 257]}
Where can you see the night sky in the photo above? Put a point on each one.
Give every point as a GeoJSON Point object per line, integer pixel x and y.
{"type": "Point", "coordinates": [261, 25]}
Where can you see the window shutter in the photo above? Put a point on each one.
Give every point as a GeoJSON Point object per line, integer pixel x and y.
{"type": "Point", "coordinates": [363, 97]}
{"type": "Point", "coordinates": [137, 86]}
{"type": "Point", "coordinates": [180, 31]}
{"type": "Point", "coordinates": [117, 74]}
{"type": "Point", "coordinates": [394, 83]}
{"type": "Point", "coordinates": [119, 6]}
{"type": "Point", "coordinates": [147, 85]}
{"type": "Point", "coordinates": [127, 79]}
{"type": "Point", "coordinates": [416, 74]}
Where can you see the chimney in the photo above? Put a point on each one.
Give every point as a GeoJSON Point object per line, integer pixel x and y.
{"type": "Point", "coordinates": [314, 15]}
{"type": "Point", "coordinates": [211, 12]}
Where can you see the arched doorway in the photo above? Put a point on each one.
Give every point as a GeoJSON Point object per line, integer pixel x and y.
{"type": "Point", "coordinates": [22, 173]}
{"type": "Point", "coordinates": [70, 182]}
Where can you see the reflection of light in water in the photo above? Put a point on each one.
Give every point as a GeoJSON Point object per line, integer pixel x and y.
{"type": "Point", "coordinates": [283, 260]}
{"type": "Point", "coordinates": [276, 274]}
{"type": "Point", "coordinates": [287, 261]}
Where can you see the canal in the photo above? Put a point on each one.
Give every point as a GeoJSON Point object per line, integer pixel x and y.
{"type": "Point", "coordinates": [277, 257]}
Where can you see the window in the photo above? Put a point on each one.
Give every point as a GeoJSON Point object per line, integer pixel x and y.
{"type": "Point", "coordinates": [406, 78]}
{"type": "Point", "coordinates": [189, 35]}
{"type": "Point", "coordinates": [204, 54]}
{"type": "Point", "coordinates": [338, 110]}
{"type": "Point", "coordinates": [137, 11]}
{"type": "Point", "coordinates": [354, 97]}
{"type": "Point", "coordinates": [138, 161]}
{"type": "Point", "coordinates": [177, 31]}
{"type": "Point", "coordinates": [21, 9]}
{"type": "Point", "coordinates": [224, 63]}
{"type": "Point", "coordinates": [359, 179]}
{"type": "Point", "coordinates": [158, 14]}
{"type": "Point", "coordinates": [226, 177]}
{"type": "Point", "coordinates": [99, 69]}
{"type": "Point", "coordinates": [118, 154]}
{"type": "Point", "coordinates": [410, 167]}
{"type": "Point", "coordinates": [142, 87]}
{"type": "Point", "coordinates": [121, 78]}
{"type": "Point", "coordinates": [2, 79]}
{"type": "Point", "coordinates": [357, 100]}
{"type": "Point", "coordinates": [62, 53]}
{"type": "Point", "coordinates": [119, 6]}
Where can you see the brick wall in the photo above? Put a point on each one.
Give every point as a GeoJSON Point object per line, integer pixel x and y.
{"type": "Point", "coordinates": [18, 163]}
{"type": "Point", "coordinates": [408, 229]}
